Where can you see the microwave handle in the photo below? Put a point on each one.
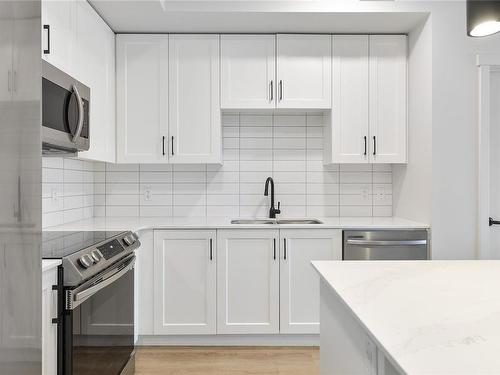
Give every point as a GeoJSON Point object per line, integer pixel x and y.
{"type": "Point", "coordinates": [80, 114]}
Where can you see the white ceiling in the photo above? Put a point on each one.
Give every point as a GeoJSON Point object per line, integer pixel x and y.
{"type": "Point", "coordinates": [149, 16]}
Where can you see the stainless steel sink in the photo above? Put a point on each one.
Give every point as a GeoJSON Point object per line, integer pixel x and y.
{"type": "Point", "coordinates": [253, 221]}
{"type": "Point", "coordinates": [299, 221]}
{"type": "Point", "coordinates": [274, 221]}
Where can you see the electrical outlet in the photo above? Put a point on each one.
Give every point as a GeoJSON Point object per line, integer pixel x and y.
{"type": "Point", "coordinates": [147, 193]}
{"type": "Point", "coordinates": [54, 195]}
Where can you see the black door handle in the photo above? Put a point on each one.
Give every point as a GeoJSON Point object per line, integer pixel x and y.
{"type": "Point", "coordinates": [365, 145]}
{"type": "Point", "coordinates": [47, 51]}
{"type": "Point", "coordinates": [493, 222]}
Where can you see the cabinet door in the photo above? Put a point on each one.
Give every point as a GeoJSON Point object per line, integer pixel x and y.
{"type": "Point", "coordinates": [247, 281]}
{"type": "Point", "coordinates": [95, 67]}
{"type": "Point", "coordinates": [299, 283]}
{"type": "Point", "coordinates": [194, 109]}
{"type": "Point", "coordinates": [388, 98]}
{"type": "Point", "coordinates": [141, 98]}
{"type": "Point", "coordinates": [185, 282]}
{"type": "Point", "coordinates": [349, 118]}
{"type": "Point", "coordinates": [58, 42]}
{"type": "Point", "coordinates": [248, 71]}
{"type": "Point", "coordinates": [49, 330]}
{"type": "Point", "coordinates": [304, 71]}
{"type": "Point", "coordinates": [6, 38]}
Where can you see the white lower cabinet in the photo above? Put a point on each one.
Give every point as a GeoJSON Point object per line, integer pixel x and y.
{"type": "Point", "coordinates": [184, 282]}
{"type": "Point", "coordinates": [299, 284]}
{"type": "Point", "coordinates": [232, 281]}
{"type": "Point", "coordinates": [247, 281]}
{"type": "Point", "coordinates": [49, 330]}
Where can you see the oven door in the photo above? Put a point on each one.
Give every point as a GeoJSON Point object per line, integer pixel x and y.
{"type": "Point", "coordinates": [65, 112]}
{"type": "Point", "coordinates": [99, 324]}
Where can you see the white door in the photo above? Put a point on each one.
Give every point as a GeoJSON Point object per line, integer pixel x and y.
{"type": "Point", "coordinates": [58, 33]}
{"type": "Point", "coordinates": [142, 98]}
{"type": "Point", "coordinates": [194, 109]}
{"type": "Point", "coordinates": [247, 281]}
{"type": "Point", "coordinates": [49, 329]}
{"type": "Point", "coordinates": [304, 73]}
{"type": "Point", "coordinates": [185, 282]}
{"type": "Point", "coordinates": [349, 117]}
{"type": "Point", "coordinates": [388, 98]}
{"type": "Point", "coordinates": [299, 283]}
{"type": "Point", "coordinates": [95, 67]}
{"type": "Point", "coordinates": [6, 39]}
{"type": "Point", "coordinates": [248, 66]}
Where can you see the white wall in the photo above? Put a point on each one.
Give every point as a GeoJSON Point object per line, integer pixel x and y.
{"type": "Point", "coordinates": [412, 182]}
{"type": "Point", "coordinates": [454, 132]}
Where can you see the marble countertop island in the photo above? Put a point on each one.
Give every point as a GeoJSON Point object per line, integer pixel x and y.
{"type": "Point", "coordinates": [428, 317]}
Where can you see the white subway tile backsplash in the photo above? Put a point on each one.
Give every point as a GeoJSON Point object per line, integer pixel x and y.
{"type": "Point", "coordinates": [290, 143]}
{"type": "Point", "coordinates": [288, 147]}
{"type": "Point", "coordinates": [67, 190]}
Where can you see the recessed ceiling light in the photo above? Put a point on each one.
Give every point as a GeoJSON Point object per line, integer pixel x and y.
{"type": "Point", "coordinates": [483, 17]}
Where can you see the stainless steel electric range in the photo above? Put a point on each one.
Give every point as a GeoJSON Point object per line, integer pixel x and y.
{"type": "Point", "coordinates": [95, 300]}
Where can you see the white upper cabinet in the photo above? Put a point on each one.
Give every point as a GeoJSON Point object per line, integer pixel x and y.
{"type": "Point", "coordinates": [184, 282]}
{"type": "Point", "coordinates": [247, 281]}
{"type": "Point", "coordinates": [388, 95]}
{"type": "Point", "coordinates": [347, 140]}
{"type": "Point", "coordinates": [142, 98]}
{"type": "Point", "coordinates": [95, 67]}
{"type": "Point", "coordinates": [248, 67]}
{"type": "Point", "coordinates": [58, 33]}
{"type": "Point", "coordinates": [194, 103]}
{"type": "Point", "coordinates": [367, 123]}
{"type": "Point", "coordinates": [299, 283]}
{"type": "Point", "coordinates": [304, 71]}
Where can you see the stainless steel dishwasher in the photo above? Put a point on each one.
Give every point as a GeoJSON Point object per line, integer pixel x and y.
{"type": "Point", "coordinates": [385, 245]}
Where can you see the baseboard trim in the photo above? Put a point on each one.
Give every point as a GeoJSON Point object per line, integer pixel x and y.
{"type": "Point", "coordinates": [228, 340]}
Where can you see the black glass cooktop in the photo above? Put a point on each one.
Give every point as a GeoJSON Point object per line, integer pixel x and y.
{"type": "Point", "coordinates": [56, 245]}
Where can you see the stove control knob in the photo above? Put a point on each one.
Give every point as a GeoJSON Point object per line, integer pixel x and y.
{"type": "Point", "coordinates": [86, 261]}
{"type": "Point", "coordinates": [129, 240]}
{"type": "Point", "coordinates": [96, 255]}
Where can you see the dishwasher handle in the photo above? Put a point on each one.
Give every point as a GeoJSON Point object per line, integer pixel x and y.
{"type": "Point", "coordinates": [360, 242]}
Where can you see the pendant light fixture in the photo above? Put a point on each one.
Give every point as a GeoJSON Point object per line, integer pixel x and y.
{"type": "Point", "coordinates": [483, 17]}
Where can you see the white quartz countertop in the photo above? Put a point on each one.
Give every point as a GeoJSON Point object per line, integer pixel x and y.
{"type": "Point", "coordinates": [141, 223]}
{"type": "Point", "coordinates": [48, 264]}
{"type": "Point", "coordinates": [430, 317]}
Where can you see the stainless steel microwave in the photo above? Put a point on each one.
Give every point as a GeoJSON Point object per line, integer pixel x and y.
{"type": "Point", "coordinates": [65, 112]}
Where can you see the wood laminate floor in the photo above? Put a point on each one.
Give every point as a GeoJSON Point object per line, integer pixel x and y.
{"type": "Point", "coordinates": [227, 361]}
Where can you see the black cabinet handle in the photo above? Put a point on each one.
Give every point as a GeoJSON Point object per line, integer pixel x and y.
{"type": "Point", "coordinates": [365, 145]}
{"type": "Point", "coordinates": [374, 145]}
{"type": "Point", "coordinates": [274, 248]}
{"type": "Point", "coordinates": [163, 146]}
{"type": "Point", "coordinates": [281, 89]}
{"type": "Point", "coordinates": [211, 254]}
{"type": "Point", "coordinates": [272, 91]}
{"type": "Point", "coordinates": [47, 51]}
{"type": "Point", "coordinates": [493, 222]}
{"type": "Point", "coordinates": [172, 145]}
{"type": "Point", "coordinates": [284, 248]}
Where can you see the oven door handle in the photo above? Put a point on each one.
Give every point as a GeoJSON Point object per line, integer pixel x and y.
{"type": "Point", "coordinates": [107, 279]}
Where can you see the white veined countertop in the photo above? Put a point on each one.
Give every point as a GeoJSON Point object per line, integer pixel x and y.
{"type": "Point", "coordinates": [429, 317]}
{"type": "Point", "coordinates": [143, 223]}
{"type": "Point", "coordinates": [48, 264]}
